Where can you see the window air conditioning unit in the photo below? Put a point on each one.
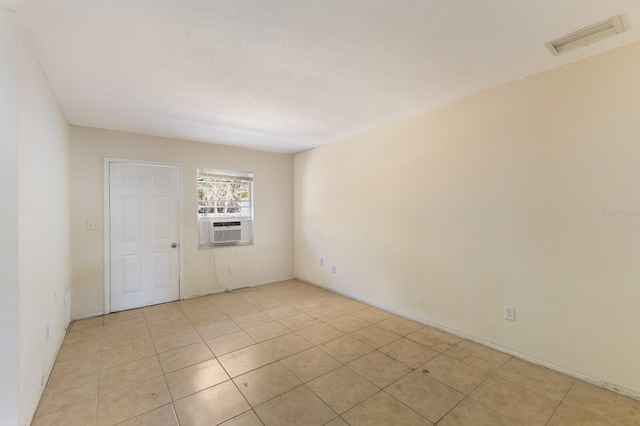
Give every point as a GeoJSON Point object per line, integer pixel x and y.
{"type": "Point", "coordinates": [223, 231]}
{"type": "Point", "coordinates": [226, 232]}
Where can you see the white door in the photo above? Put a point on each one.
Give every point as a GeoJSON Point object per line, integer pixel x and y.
{"type": "Point", "coordinates": [144, 231]}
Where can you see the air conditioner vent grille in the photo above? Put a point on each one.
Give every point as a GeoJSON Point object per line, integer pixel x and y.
{"type": "Point", "coordinates": [221, 224]}
{"type": "Point", "coordinates": [586, 36]}
{"type": "Point", "coordinates": [227, 235]}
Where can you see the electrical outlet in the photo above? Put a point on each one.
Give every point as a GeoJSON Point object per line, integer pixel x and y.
{"type": "Point", "coordinates": [229, 270]}
{"type": "Point", "coordinates": [93, 225]}
{"type": "Point", "coordinates": [322, 261]}
{"type": "Point", "coordinates": [333, 269]}
{"type": "Point", "coordinates": [509, 313]}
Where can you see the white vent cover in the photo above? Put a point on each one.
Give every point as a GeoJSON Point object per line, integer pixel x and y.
{"type": "Point", "coordinates": [586, 36]}
{"type": "Point", "coordinates": [226, 232]}
{"type": "Point", "coordinates": [227, 236]}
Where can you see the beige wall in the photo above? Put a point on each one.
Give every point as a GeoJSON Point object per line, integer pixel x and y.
{"type": "Point", "coordinates": [34, 223]}
{"type": "Point", "coordinates": [269, 259]}
{"type": "Point", "coordinates": [495, 200]}
{"type": "Point", "coordinates": [43, 225]}
{"type": "Point", "coordinates": [8, 221]}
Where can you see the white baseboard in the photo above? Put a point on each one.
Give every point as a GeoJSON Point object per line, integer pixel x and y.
{"type": "Point", "coordinates": [191, 296]}
{"type": "Point", "coordinates": [85, 316]}
{"type": "Point", "coordinates": [593, 380]}
{"type": "Point", "coordinates": [207, 293]}
{"type": "Point", "coordinates": [222, 290]}
{"type": "Point", "coordinates": [589, 379]}
{"type": "Point", "coordinates": [34, 409]}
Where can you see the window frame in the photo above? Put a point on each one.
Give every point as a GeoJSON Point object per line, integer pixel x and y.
{"type": "Point", "coordinates": [244, 215]}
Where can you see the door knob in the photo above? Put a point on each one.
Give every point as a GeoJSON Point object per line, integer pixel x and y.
{"type": "Point", "coordinates": [174, 245]}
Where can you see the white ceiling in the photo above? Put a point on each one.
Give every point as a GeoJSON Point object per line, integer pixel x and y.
{"type": "Point", "coordinates": [289, 75]}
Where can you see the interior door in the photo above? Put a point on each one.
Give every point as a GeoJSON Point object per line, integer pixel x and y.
{"type": "Point", "coordinates": [144, 235]}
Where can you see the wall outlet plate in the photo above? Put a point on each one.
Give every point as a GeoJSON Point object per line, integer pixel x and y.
{"type": "Point", "coordinates": [509, 313]}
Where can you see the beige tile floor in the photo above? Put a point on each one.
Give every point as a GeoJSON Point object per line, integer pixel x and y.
{"type": "Point", "coordinates": [293, 354]}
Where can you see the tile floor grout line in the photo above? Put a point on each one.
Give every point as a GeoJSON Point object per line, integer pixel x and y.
{"type": "Point", "coordinates": [491, 373]}
{"type": "Point", "coordinates": [99, 374]}
{"type": "Point", "coordinates": [318, 396]}
{"type": "Point", "coordinates": [246, 400]}
{"type": "Point", "coordinates": [450, 410]}
{"type": "Point", "coordinates": [401, 402]}
{"type": "Point", "coordinates": [322, 307]}
{"type": "Point", "coordinates": [561, 401]}
{"type": "Point", "coordinates": [445, 384]}
{"type": "Point", "coordinates": [533, 390]}
{"type": "Point", "coordinates": [488, 407]}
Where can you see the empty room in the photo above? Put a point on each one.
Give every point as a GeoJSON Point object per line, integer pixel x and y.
{"type": "Point", "coordinates": [292, 212]}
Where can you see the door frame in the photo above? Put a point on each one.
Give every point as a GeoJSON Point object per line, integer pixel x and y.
{"type": "Point", "coordinates": [107, 224]}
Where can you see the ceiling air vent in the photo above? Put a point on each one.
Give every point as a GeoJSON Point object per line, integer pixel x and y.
{"type": "Point", "coordinates": [586, 36]}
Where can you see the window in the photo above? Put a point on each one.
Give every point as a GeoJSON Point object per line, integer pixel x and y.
{"type": "Point", "coordinates": [225, 207]}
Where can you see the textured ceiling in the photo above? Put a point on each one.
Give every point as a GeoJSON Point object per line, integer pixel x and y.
{"type": "Point", "coordinates": [289, 75]}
